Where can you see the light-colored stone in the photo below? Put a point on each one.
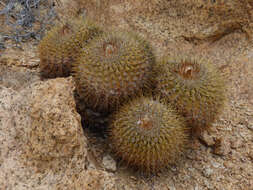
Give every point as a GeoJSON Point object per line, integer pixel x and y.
{"type": "Point", "coordinates": [207, 172]}
{"type": "Point", "coordinates": [109, 163]}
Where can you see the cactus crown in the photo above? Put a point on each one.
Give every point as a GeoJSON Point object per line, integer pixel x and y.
{"type": "Point", "coordinates": [188, 70]}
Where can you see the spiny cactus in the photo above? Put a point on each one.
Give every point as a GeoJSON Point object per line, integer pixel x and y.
{"type": "Point", "coordinates": [148, 134]}
{"type": "Point", "coordinates": [62, 44]}
{"type": "Point", "coordinates": [195, 87]}
{"type": "Point", "coordinates": [112, 68]}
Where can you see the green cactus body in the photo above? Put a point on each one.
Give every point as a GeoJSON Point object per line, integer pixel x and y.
{"type": "Point", "coordinates": [148, 134]}
{"type": "Point", "coordinates": [112, 68]}
{"type": "Point", "coordinates": [62, 44]}
{"type": "Point", "coordinates": [195, 88]}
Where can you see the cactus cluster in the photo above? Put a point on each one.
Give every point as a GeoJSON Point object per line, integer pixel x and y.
{"type": "Point", "coordinates": [113, 70]}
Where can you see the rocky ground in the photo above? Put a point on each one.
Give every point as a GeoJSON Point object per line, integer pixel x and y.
{"type": "Point", "coordinates": [40, 118]}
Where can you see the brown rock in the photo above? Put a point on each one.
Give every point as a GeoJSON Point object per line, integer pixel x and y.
{"type": "Point", "coordinates": [88, 180]}
{"type": "Point", "coordinates": [228, 164]}
{"type": "Point", "coordinates": [206, 138]}
{"type": "Point", "coordinates": [250, 126]}
{"type": "Point", "coordinates": [250, 154]}
{"type": "Point", "coordinates": [16, 78]}
{"type": "Point", "coordinates": [236, 143]}
{"type": "Point", "coordinates": [12, 120]}
{"type": "Point", "coordinates": [55, 134]}
{"type": "Point", "coordinates": [67, 9]}
{"type": "Point", "coordinates": [7, 124]}
{"type": "Point", "coordinates": [221, 147]}
{"type": "Point", "coordinates": [191, 21]}
{"type": "Point", "coordinates": [41, 136]}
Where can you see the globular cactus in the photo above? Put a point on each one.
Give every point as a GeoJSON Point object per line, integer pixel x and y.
{"type": "Point", "coordinates": [62, 44]}
{"type": "Point", "coordinates": [148, 134]}
{"type": "Point", "coordinates": [194, 87]}
{"type": "Point", "coordinates": [112, 68]}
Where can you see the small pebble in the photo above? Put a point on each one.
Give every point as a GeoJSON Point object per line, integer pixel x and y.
{"type": "Point", "coordinates": [221, 147]}
{"type": "Point", "coordinates": [207, 172]}
{"type": "Point", "coordinates": [207, 139]}
{"type": "Point", "coordinates": [109, 163]}
{"type": "Point", "coordinates": [236, 143]}
{"type": "Point", "coordinates": [172, 187]}
{"type": "Point", "coordinates": [228, 164]}
{"type": "Point", "coordinates": [251, 155]}
{"type": "Point", "coordinates": [250, 127]}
